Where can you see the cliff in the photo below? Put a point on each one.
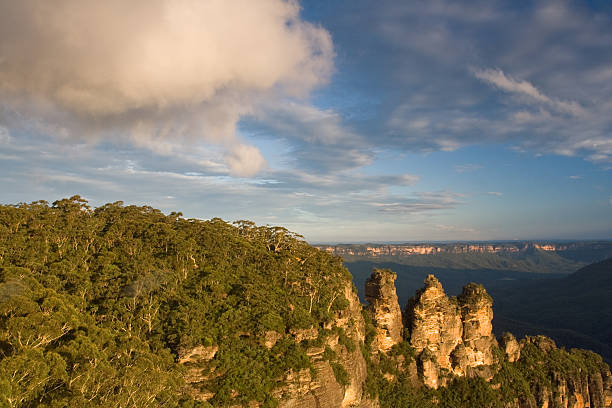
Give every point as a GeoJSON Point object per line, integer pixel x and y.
{"type": "Point", "coordinates": [450, 351]}
{"type": "Point", "coordinates": [448, 339]}
{"type": "Point", "coordinates": [594, 249]}
{"type": "Point", "coordinates": [382, 300]}
{"type": "Point", "coordinates": [333, 378]}
{"type": "Point", "coordinates": [324, 386]}
{"type": "Point", "coordinates": [450, 334]}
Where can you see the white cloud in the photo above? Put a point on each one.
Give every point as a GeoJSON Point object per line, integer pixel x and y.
{"type": "Point", "coordinates": [299, 121]}
{"type": "Point", "coordinates": [156, 70]}
{"type": "Point", "coordinates": [575, 177]}
{"type": "Point", "coordinates": [499, 79]}
{"type": "Point", "coordinates": [245, 161]}
{"type": "Point", "coordinates": [418, 203]}
{"type": "Point", "coordinates": [495, 193]}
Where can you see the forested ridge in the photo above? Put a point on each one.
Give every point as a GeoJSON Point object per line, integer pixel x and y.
{"type": "Point", "coordinates": [95, 304]}
{"type": "Point", "coordinates": [124, 306]}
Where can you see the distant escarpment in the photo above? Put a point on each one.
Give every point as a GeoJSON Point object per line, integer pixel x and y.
{"type": "Point", "coordinates": [520, 256]}
{"type": "Point", "coordinates": [582, 250]}
{"type": "Point", "coordinates": [123, 306]}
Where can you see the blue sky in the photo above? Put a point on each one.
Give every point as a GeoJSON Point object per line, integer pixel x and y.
{"type": "Point", "coordinates": [344, 121]}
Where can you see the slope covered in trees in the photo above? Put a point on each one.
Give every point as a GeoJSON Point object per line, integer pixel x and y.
{"type": "Point", "coordinates": [96, 304]}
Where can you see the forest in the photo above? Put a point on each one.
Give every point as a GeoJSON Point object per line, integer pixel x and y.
{"type": "Point", "coordinates": [96, 304]}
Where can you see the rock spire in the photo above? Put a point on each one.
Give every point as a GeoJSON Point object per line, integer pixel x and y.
{"type": "Point", "coordinates": [450, 334]}
{"type": "Point", "coordinates": [386, 313]}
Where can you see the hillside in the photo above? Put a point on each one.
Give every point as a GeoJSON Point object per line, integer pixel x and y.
{"type": "Point", "coordinates": [124, 306]}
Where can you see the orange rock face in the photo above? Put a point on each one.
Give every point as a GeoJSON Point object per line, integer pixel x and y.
{"type": "Point", "coordinates": [455, 334]}
{"type": "Point", "coordinates": [383, 304]}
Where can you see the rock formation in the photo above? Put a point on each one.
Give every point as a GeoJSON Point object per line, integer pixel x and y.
{"type": "Point", "coordinates": [510, 346]}
{"type": "Point", "coordinates": [450, 335]}
{"type": "Point", "coordinates": [302, 390]}
{"type": "Point", "coordinates": [573, 388]}
{"type": "Point", "coordinates": [383, 304]}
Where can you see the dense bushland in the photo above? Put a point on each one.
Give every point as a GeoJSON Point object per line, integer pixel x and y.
{"type": "Point", "coordinates": [96, 304]}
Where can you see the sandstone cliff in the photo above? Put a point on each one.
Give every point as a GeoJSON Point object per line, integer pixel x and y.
{"type": "Point", "coordinates": [449, 338]}
{"type": "Point", "coordinates": [450, 335]}
{"type": "Point", "coordinates": [338, 368]}
{"type": "Point", "coordinates": [383, 305]}
{"type": "Point", "coordinates": [323, 389]}
{"type": "Point", "coordinates": [381, 250]}
{"type": "Point", "coordinates": [573, 385]}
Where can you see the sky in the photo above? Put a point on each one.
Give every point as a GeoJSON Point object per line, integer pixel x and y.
{"type": "Point", "coordinates": [343, 121]}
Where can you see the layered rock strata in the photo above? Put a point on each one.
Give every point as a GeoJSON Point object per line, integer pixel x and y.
{"type": "Point", "coordinates": [451, 335]}
{"type": "Point", "coordinates": [381, 295]}
{"type": "Point", "coordinates": [302, 390]}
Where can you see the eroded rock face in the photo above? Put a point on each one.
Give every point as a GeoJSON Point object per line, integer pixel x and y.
{"type": "Point", "coordinates": [455, 333]}
{"type": "Point", "coordinates": [510, 346]}
{"type": "Point", "coordinates": [573, 389]}
{"type": "Point", "coordinates": [476, 314]}
{"type": "Point", "coordinates": [301, 390]}
{"type": "Point", "coordinates": [435, 323]}
{"type": "Point", "coordinates": [383, 304]}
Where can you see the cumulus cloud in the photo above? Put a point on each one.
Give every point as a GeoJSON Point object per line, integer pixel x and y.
{"type": "Point", "coordinates": [156, 70]}
{"type": "Point", "coordinates": [245, 161]}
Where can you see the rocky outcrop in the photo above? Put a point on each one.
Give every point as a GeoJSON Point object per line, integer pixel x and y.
{"type": "Point", "coordinates": [383, 305]}
{"type": "Point", "coordinates": [302, 390]}
{"type": "Point", "coordinates": [571, 387]}
{"type": "Point", "coordinates": [510, 346]}
{"type": "Point", "coordinates": [451, 335]}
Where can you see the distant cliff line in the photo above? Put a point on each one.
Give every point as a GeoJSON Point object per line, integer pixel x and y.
{"type": "Point", "coordinates": [380, 250]}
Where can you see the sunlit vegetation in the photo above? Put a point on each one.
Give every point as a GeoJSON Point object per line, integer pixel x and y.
{"type": "Point", "coordinates": [96, 305]}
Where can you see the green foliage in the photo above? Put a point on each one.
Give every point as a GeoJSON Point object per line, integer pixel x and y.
{"type": "Point", "coordinates": [340, 373]}
{"type": "Point", "coordinates": [345, 340]}
{"type": "Point", "coordinates": [97, 305]}
{"type": "Point", "coordinates": [469, 392]}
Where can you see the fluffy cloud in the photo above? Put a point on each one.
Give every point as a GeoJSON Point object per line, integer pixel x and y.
{"type": "Point", "coordinates": [245, 160]}
{"type": "Point", "coordinates": [156, 70]}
